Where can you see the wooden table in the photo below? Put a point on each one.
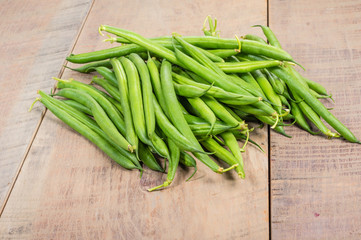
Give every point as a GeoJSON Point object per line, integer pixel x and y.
{"type": "Point", "coordinates": [54, 184]}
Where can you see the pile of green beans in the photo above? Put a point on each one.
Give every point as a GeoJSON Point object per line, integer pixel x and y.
{"type": "Point", "coordinates": [182, 98]}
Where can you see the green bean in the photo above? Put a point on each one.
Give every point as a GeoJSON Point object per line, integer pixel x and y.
{"type": "Point", "coordinates": [222, 113]}
{"type": "Point", "coordinates": [188, 161]}
{"type": "Point", "coordinates": [231, 142]}
{"type": "Point", "coordinates": [246, 100]}
{"type": "Point", "coordinates": [276, 85]}
{"type": "Point", "coordinates": [195, 77]}
{"type": "Point", "coordinates": [318, 96]}
{"type": "Point", "coordinates": [171, 131]}
{"type": "Point", "coordinates": [316, 87]}
{"type": "Point", "coordinates": [284, 101]}
{"type": "Point", "coordinates": [204, 130]}
{"type": "Point", "coordinates": [149, 45]}
{"type": "Point", "coordinates": [105, 53]}
{"type": "Point", "coordinates": [90, 135]}
{"type": "Point", "coordinates": [249, 66]}
{"type": "Point", "coordinates": [123, 89]}
{"type": "Point", "coordinates": [147, 93]}
{"type": "Point", "coordinates": [268, 90]}
{"type": "Point", "coordinates": [212, 77]}
{"type": "Point", "coordinates": [271, 37]}
{"type": "Point", "coordinates": [206, 62]}
{"type": "Point", "coordinates": [80, 116]}
{"type": "Point", "coordinates": [255, 38]}
{"type": "Point", "coordinates": [155, 78]}
{"type": "Point", "coordinates": [167, 43]}
{"type": "Point", "coordinates": [210, 42]}
{"type": "Point", "coordinates": [188, 91]}
{"type": "Point", "coordinates": [78, 106]}
{"type": "Point", "coordinates": [300, 119]}
{"type": "Point", "coordinates": [238, 118]}
{"type": "Point", "coordinates": [199, 56]}
{"type": "Point", "coordinates": [223, 53]}
{"type": "Point", "coordinates": [220, 152]}
{"type": "Point", "coordinates": [90, 67]}
{"type": "Point", "coordinates": [245, 116]}
{"type": "Point", "coordinates": [211, 90]}
{"type": "Point", "coordinates": [136, 103]}
{"type": "Point", "coordinates": [238, 135]}
{"type": "Point", "coordinates": [107, 74]}
{"type": "Point", "coordinates": [313, 116]}
{"type": "Point", "coordinates": [292, 80]}
{"type": "Point", "coordinates": [159, 146]}
{"type": "Point", "coordinates": [99, 115]}
{"type": "Point", "coordinates": [148, 158]}
{"type": "Point", "coordinates": [172, 167]}
{"type": "Point", "coordinates": [111, 89]}
{"type": "Point", "coordinates": [251, 110]}
{"type": "Point", "coordinates": [204, 111]}
{"type": "Point", "coordinates": [109, 108]}
{"type": "Point", "coordinates": [250, 79]}
{"type": "Point", "coordinates": [193, 120]}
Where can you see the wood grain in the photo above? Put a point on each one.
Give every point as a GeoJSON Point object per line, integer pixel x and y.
{"type": "Point", "coordinates": [314, 181]}
{"type": "Point", "coordinates": [35, 38]}
{"type": "Point", "coordinates": [68, 189]}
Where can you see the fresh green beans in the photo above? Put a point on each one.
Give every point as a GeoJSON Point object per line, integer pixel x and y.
{"type": "Point", "coordinates": [166, 96]}
{"type": "Point", "coordinates": [99, 115]}
{"type": "Point", "coordinates": [89, 134]}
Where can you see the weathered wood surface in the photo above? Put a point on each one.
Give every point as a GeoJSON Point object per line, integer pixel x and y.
{"type": "Point", "coordinates": [35, 38]}
{"type": "Point", "coordinates": [315, 182]}
{"type": "Point", "coordinates": [68, 189]}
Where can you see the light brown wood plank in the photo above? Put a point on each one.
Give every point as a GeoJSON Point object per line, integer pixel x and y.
{"type": "Point", "coordinates": [69, 189]}
{"type": "Point", "coordinates": [314, 181]}
{"type": "Point", "coordinates": [35, 38]}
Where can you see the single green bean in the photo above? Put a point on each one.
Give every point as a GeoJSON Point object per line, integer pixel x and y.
{"type": "Point", "coordinates": [204, 111]}
{"type": "Point", "coordinates": [189, 91]}
{"type": "Point", "coordinates": [80, 107]}
{"type": "Point", "coordinates": [172, 166]}
{"type": "Point", "coordinates": [105, 53]}
{"type": "Point", "coordinates": [147, 92]}
{"type": "Point", "coordinates": [255, 38]}
{"type": "Point", "coordinates": [220, 152]}
{"type": "Point", "coordinates": [148, 158]}
{"type": "Point", "coordinates": [155, 78]}
{"type": "Point", "coordinates": [300, 119]}
{"type": "Point", "coordinates": [222, 113]}
{"type": "Point", "coordinates": [231, 142]}
{"type": "Point", "coordinates": [249, 66]}
{"type": "Point", "coordinates": [107, 74]}
{"type": "Point", "coordinates": [188, 161]}
{"type": "Point", "coordinates": [90, 67]}
{"type": "Point", "coordinates": [223, 53]}
{"type": "Point", "coordinates": [271, 37]}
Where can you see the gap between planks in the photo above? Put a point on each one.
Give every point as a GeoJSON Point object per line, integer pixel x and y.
{"type": "Point", "coordinates": [269, 158]}
{"type": "Point", "coordinates": [59, 75]}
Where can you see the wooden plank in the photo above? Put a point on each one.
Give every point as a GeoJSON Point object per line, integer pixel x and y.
{"type": "Point", "coordinates": [314, 181]}
{"type": "Point", "coordinates": [35, 38]}
{"type": "Point", "coordinates": [69, 189]}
